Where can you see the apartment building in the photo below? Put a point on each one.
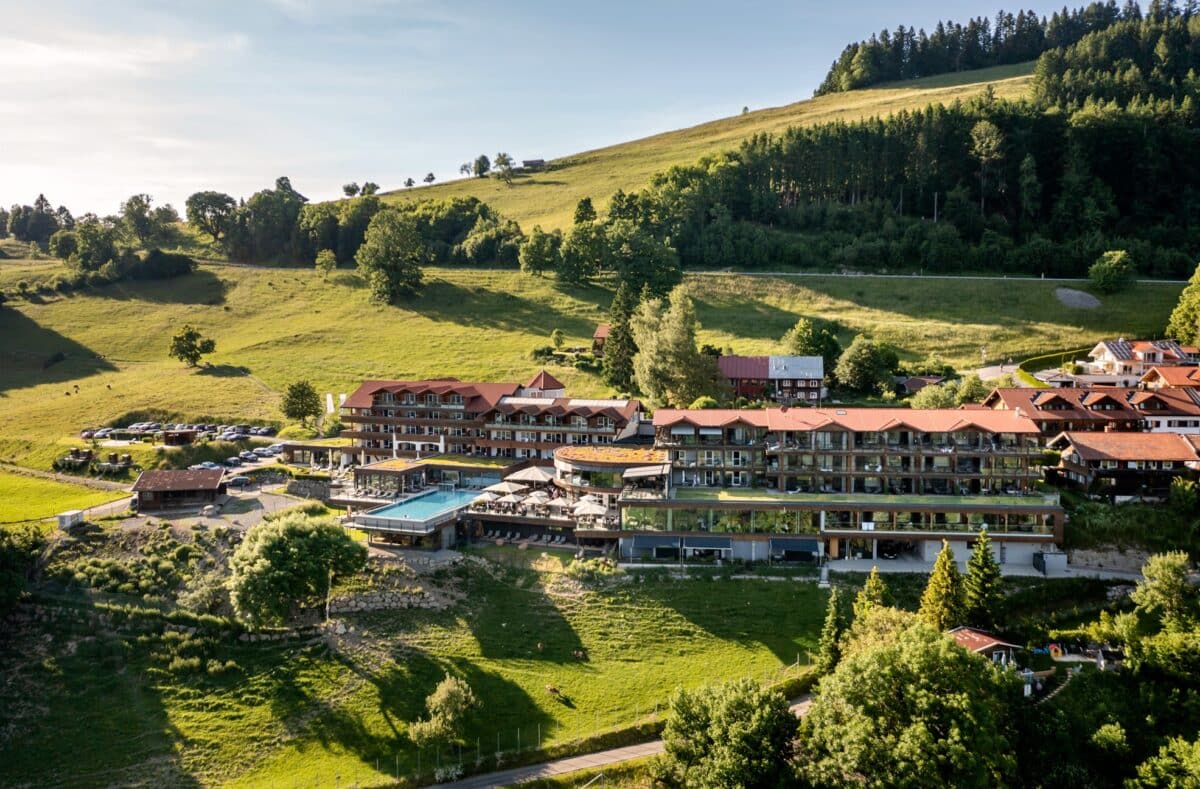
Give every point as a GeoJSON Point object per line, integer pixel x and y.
{"type": "Point", "coordinates": [502, 420]}
{"type": "Point", "coordinates": [1120, 409]}
{"type": "Point", "coordinates": [868, 482]}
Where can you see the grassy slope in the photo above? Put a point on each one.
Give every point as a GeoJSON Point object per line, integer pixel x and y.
{"type": "Point", "coordinates": [549, 198]}
{"type": "Point", "coordinates": [274, 326]}
{"type": "Point", "coordinates": [300, 716]}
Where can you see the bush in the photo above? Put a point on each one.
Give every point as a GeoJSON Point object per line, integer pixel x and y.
{"type": "Point", "coordinates": [1113, 272]}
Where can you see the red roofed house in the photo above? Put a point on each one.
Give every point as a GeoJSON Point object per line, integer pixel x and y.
{"type": "Point", "coordinates": [1103, 408]}
{"type": "Point", "coordinates": [984, 643]}
{"type": "Point", "coordinates": [160, 490]}
{"type": "Point", "coordinates": [1171, 378]}
{"type": "Point", "coordinates": [544, 385]}
{"type": "Point", "coordinates": [783, 379]}
{"type": "Point", "coordinates": [599, 337]}
{"type": "Point", "coordinates": [1124, 464]}
{"type": "Point", "coordinates": [1125, 361]}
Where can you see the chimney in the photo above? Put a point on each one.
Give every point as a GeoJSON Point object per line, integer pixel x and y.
{"type": "Point", "coordinates": [1018, 412]}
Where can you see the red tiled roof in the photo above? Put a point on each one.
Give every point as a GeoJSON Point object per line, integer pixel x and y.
{"type": "Point", "coordinates": [619, 410]}
{"type": "Point", "coordinates": [1173, 376]}
{"type": "Point", "coordinates": [158, 481]}
{"type": "Point", "coordinates": [755, 367]}
{"type": "Point", "coordinates": [475, 395]}
{"type": "Point", "coordinates": [1095, 445]}
{"type": "Point", "coordinates": [931, 420]}
{"type": "Point", "coordinates": [602, 331]}
{"type": "Point", "coordinates": [1032, 402]}
{"type": "Point", "coordinates": [974, 640]}
{"type": "Point", "coordinates": [545, 382]}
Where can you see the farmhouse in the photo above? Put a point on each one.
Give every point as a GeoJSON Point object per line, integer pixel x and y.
{"type": "Point", "coordinates": [783, 379]}
{"type": "Point", "coordinates": [1124, 464]}
{"type": "Point", "coordinates": [160, 490]}
{"type": "Point", "coordinates": [600, 337]}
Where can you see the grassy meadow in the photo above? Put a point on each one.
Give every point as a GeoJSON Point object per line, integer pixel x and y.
{"type": "Point", "coordinates": [24, 498]}
{"type": "Point", "coordinates": [298, 713]}
{"type": "Point", "coordinates": [548, 198]}
{"type": "Point", "coordinates": [77, 361]}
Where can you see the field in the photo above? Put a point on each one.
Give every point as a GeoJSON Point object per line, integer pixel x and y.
{"type": "Point", "coordinates": [548, 198]}
{"type": "Point", "coordinates": [25, 498]}
{"type": "Point", "coordinates": [275, 326]}
{"type": "Point", "coordinates": [303, 713]}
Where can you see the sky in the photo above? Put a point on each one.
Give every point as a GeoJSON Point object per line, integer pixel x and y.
{"type": "Point", "coordinates": [99, 101]}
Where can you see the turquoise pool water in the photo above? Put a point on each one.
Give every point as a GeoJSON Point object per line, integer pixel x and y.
{"type": "Point", "coordinates": [426, 506]}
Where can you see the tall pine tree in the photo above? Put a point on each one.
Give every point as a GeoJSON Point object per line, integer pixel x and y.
{"type": "Point", "coordinates": [981, 587]}
{"type": "Point", "coordinates": [831, 635]}
{"type": "Point", "coordinates": [873, 594]}
{"type": "Point", "coordinates": [619, 348]}
{"type": "Point", "coordinates": [942, 601]}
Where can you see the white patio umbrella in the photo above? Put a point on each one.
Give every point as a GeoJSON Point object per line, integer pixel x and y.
{"type": "Point", "coordinates": [535, 474]}
{"type": "Point", "coordinates": [505, 487]}
{"type": "Point", "coordinates": [558, 504]}
{"type": "Point", "coordinates": [511, 498]}
{"type": "Point", "coordinates": [588, 497]}
{"type": "Point", "coordinates": [484, 498]}
{"type": "Point", "coordinates": [588, 509]}
{"type": "Point", "coordinates": [539, 496]}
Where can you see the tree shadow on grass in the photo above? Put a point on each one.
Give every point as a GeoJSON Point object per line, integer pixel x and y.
{"type": "Point", "coordinates": [102, 720]}
{"type": "Point", "coordinates": [512, 622]}
{"type": "Point", "coordinates": [445, 301]}
{"type": "Point", "coordinates": [746, 318]}
{"type": "Point", "coordinates": [199, 287]}
{"type": "Point", "coordinates": [784, 617]}
{"type": "Point", "coordinates": [31, 354]}
{"type": "Point", "coordinates": [224, 370]}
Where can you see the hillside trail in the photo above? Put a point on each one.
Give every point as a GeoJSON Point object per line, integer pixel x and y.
{"type": "Point", "coordinates": [87, 482]}
{"type": "Point", "coordinates": [588, 761]}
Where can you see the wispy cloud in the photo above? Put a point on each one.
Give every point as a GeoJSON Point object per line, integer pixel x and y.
{"type": "Point", "coordinates": [81, 55]}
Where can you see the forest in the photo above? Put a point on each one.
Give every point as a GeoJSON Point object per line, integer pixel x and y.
{"type": "Point", "coordinates": [1040, 187]}
{"type": "Point", "coordinates": [953, 46]}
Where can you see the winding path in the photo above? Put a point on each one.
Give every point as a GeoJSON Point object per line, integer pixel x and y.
{"type": "Point", "coordinates": [588, 761]}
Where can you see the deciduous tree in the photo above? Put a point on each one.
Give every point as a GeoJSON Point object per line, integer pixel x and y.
{"type": "Point", "coordinates": [289, 561]}
{"type": "Point", "coordinates": [1164, 592]}
{"type": "Point", "coordinates": [447, 707]}
{"type": "Point", "coordinates": [326, 262]}
{"type": "Point", "coordinates": [668, 367]}
{"type": "Point", "coordinates": [987, 143]}
{"type": "Point", "coordinates": [916, 711]}
{"type": "Point", "coordinates": [584, 211]}
{"type": "Point", "coordinates": [866, 366]}
{"type": "Point", "coordinates": [301, 401]}
{"type": "Point", "coordinates": [189, 345]}
{"type": "Point", "coordinates": [351, 189]}
{"type": "Point", "coordinates": [503, 167]}
{"type": "Point", "coordinates": [391, 256]}
{"type": "Point", "coordinates": [539, 253]}
{"type": "Point", "coordinates": [734, 735]}
{"type": "Point", "coordinates": [1113, 272]}
{"type": "Point", "coordinates": [807, 338]}
{"type": "Point", "coordinates": [481, 166]}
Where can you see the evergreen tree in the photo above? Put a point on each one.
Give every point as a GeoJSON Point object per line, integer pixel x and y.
{"type": "Point", "coordinates": [942, 601]}
{"type": "Point", "coordinates": [831, 634]}
{"type": "Point", "coordinates": [1184, 324]}
{"type": "Point", "coordinates": [981, 587]}
{"type": "Point", "coordinates": [874, 594]}
{"type": "Point", "coordinates": [619, 348]}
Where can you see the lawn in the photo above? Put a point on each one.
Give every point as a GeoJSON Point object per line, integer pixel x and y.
{"type": "Point", "coordinates": [304, 714]}
{"type": "Point", "coordinates": [25, 498]}
{"type": "Point", "coordinates": [276, 326]}
{"type": "Point", "coordinates": [548, 198]}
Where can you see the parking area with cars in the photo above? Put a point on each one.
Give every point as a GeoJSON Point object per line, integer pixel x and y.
{"type": "Point", "coordinates": [199, 432]}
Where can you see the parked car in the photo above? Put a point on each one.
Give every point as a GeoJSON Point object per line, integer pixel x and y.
{"type": "Point", "coordinates": [238, 481]}
{"type": "Point", "coordinates": [87, 434]}
{"type": "Point", "coordinates": [103, 432]}
{"type": "Point", "coordinates": [208, 464]}
{"type": "Point", "coordinates": [248, 455]}
{"type": "Point", "coordinates": [276, 448]}
{"type": "Point", "coordinates": [233, 461]}
{"type": "Point", "coordinates": [263, 452]}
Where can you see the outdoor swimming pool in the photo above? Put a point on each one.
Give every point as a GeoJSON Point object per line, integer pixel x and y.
{"type": "Point", "coordinates": [421, 513]}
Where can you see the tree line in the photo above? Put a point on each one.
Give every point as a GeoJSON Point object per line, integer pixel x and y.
{"type": "Point", "coordinates": [979, 43]}
{"type": "Point", "coordinates": [1022, 187]}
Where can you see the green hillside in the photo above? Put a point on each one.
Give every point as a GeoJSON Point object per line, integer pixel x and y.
{"type": "Point", "coordinates": [275, 326]}
{"type": "Point", "coordinates": [548, 198]}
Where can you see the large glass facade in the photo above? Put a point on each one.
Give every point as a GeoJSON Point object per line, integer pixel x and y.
{"type": "Point", "coordinates": [716, 521]}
